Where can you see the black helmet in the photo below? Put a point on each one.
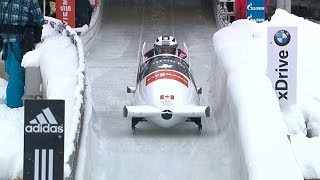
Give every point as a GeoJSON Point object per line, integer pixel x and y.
{"type": "Point", "coordinates": [165, 45]}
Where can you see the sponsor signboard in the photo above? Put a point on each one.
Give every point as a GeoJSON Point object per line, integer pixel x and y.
{"type": "Point", "coordinates": [255, 10]}
{"type": "Point", "coordinates": [282, 63]}
{"type": "Point", "coordinates": [43, 140]}
{"type": "Point", "coordinates": [65, 11]}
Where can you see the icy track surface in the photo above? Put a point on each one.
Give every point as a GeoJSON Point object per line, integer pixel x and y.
{"type": "Point", "coordinates": [153, 153]}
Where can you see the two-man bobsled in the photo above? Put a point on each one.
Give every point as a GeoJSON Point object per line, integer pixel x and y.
{"type": "Point", "coordinates": [165, 93]}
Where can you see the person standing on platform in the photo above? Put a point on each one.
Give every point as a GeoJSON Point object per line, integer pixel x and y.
{"type": "Point", "coordinates": [20, 28]}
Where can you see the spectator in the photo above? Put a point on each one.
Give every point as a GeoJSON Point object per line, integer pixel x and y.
{"type": "Point", "coordinates": [53, 8]}
{"type": "Point", "coordinates": [20, 30]}
{"type": "Point", "coordinates": [83, 12]}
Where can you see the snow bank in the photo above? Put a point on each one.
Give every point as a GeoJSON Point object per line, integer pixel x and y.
{"type": "Point", "coordinates": [244, 93]}
{"type": "Point", "coordinates": [11, 137]}
{"type": "Point", "coordinates": [303, 119]}
{"type": "Point", "coordinates": [61, 61]}
{"type": "Point", "coordinates": [83, 44]}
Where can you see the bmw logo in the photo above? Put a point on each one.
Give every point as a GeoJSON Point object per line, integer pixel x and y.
{"type": "Point", "coordinates": [282, 38]}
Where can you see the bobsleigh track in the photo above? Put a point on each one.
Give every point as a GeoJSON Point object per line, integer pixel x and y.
{"type": "Point", "coordinates": [154, 152]}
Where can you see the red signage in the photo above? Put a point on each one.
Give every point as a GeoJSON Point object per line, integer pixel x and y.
{"type": "Point", "coordinates": [167, 74]}
{"type": "Point", "coordinates": [65, 11]}
{"type": "Point", "coordinates": [167, 97]}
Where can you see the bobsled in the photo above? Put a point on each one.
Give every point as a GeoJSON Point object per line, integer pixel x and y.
{"type": "Point", "coordinates": [165, 93]}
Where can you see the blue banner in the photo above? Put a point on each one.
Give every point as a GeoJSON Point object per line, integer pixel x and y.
{"type": "Point", "coordinates": [255, 10]}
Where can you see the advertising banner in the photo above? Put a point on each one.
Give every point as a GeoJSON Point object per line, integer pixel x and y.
{"type": "Point", "coordinates": [255, 10]}
{"type": "Point", "coordinates": [66, 12]}
{"type": "Point", "coordinates": [43, 140]}
{"type": "Point", "coordinates": [282, 63]}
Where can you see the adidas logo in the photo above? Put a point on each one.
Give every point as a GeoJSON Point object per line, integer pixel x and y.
{"type": "Point", "coordinates": [44, 122]}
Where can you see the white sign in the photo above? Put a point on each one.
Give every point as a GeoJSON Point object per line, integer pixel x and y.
{"type": "Point", "coordinates": [282, 63]}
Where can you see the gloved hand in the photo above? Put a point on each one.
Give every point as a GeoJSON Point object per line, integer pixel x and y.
{"type": "Point", "coordinates": [37, 34]}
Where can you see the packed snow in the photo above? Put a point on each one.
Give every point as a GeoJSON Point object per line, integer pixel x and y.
{"type": "Point", "coordinates": [242, 49]}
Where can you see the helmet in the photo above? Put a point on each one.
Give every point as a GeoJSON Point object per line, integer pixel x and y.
{"type": "Point", "coordinates": [165, 45]}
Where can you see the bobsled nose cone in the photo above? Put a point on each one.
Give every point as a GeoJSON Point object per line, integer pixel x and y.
{"type": "Point", "coordinates": [166, 114]}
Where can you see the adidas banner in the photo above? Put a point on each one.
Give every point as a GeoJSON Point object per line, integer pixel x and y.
{"type": "Point", "coordinates": [43, 139]}
{"type": "Point", "coordinates": [282, 63]}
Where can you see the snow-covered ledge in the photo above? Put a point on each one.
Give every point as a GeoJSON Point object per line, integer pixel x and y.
{"type": "Point", "coordinates": [74, 105]}
{"type": "Point", "coordinates": [246, 106]}
{"type": "Point", "coordinates": [83, 43]}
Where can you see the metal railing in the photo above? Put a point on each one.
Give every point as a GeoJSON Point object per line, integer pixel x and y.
{"type": "Point", "coordinates": [223, 13]}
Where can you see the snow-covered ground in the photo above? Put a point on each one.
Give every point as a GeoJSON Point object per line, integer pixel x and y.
{"type": "Point", "coordinates": [241, 50]}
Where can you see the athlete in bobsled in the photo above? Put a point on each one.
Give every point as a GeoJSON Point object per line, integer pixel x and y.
{"type": "Point", "coordinates": [165, 92]}
{"type": "Point", "coordinates": [166, 45]}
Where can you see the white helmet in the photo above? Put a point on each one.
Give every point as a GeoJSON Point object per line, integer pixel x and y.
{"type": "Point", "coordinates": [165, 45]}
